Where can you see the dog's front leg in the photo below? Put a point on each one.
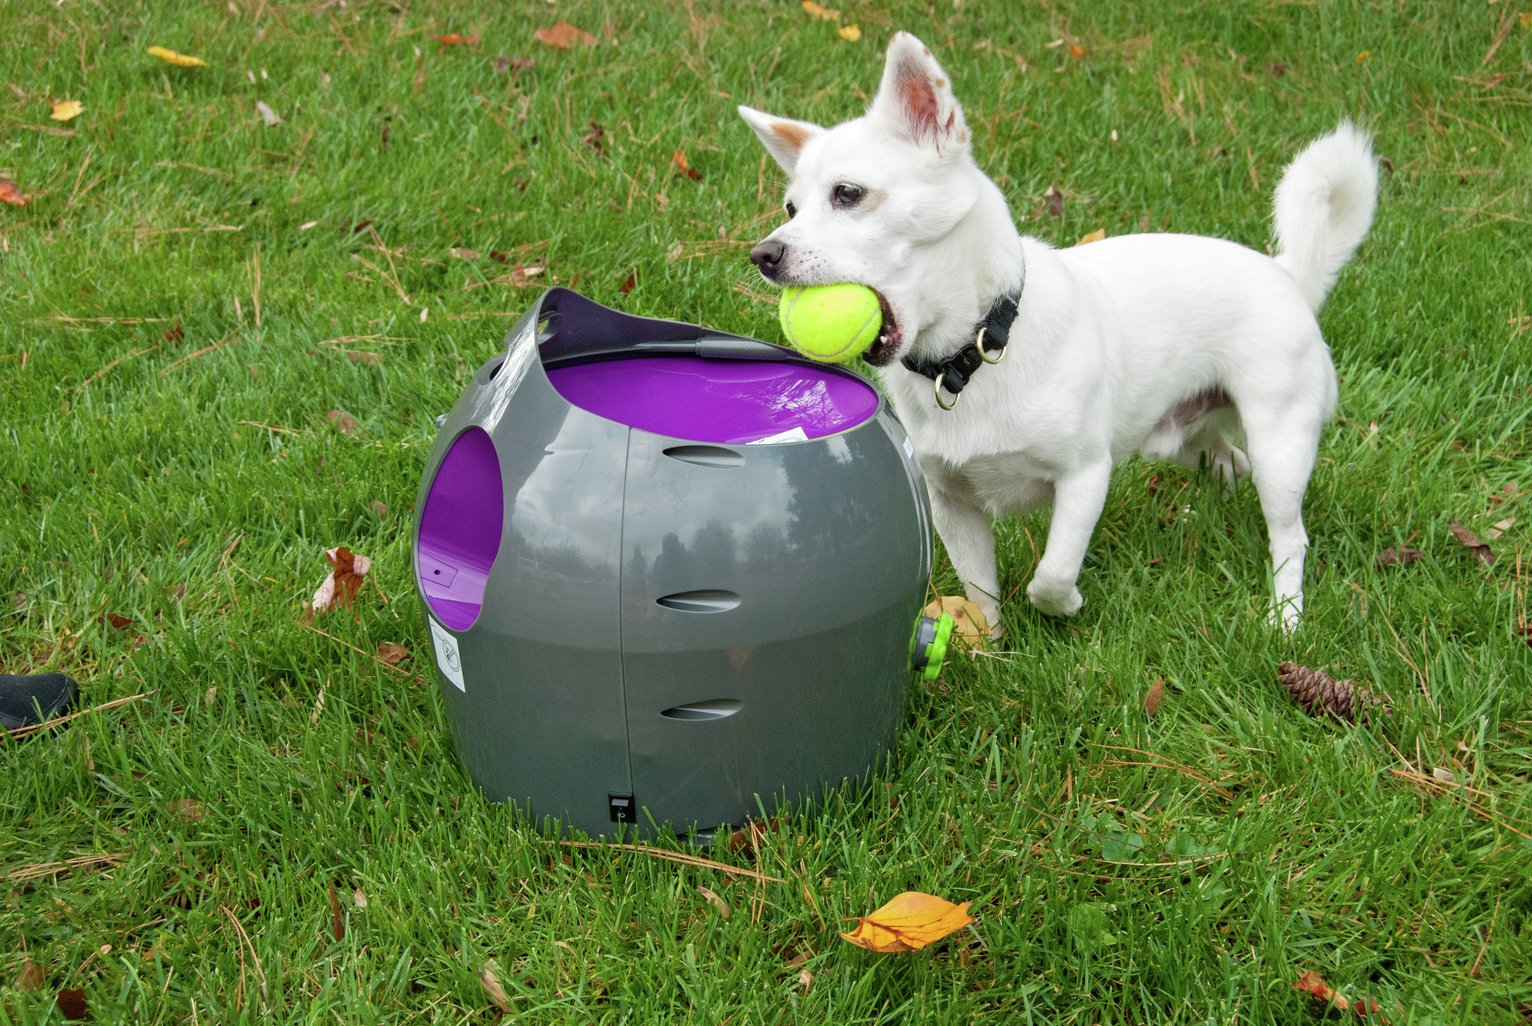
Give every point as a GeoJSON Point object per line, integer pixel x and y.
{"type": "Point", "coordinates": [965, 531]}
{"type": "Point", "coordinates": [1077, 501]}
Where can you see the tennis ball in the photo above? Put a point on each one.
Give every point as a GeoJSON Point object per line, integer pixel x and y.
{"type": "Point", "coordinates": [830, 323]}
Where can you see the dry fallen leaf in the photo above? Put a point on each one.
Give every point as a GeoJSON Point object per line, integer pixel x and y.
{"type": "Point", "coordinates": [684, 167]}
{"type": "Point", "coordinates": [492, 985]}
{"type": "Point", "coordinates": [820, 11]}
{"type": "Point", "coordinates": [30, 978]}
{"type": "Point", "coordinates": [337, 921]}
{"type": "Point", "coordinates": [1055, 201]}
{"type": "Point", "coordinates": [851, 34]}
{"type": "Point", "coordinates": [1155, 696]}
{"type": "Point", "coordinates": [563, 35]}
{"type": "Point", "coordinates": [1077, 51]}
{"type": "Point", "coordinates": [718, 903]}
{"type": "Point", "coordinates": [968, 623]}
{"type": "Point", "coordinates": [1313, 984]}
{"type": "Point", "coordinates": [268, 115]}
{"type": "Point", "coordinates": [343, 421]}
{"type": "Point", "coordinates": [180, 60]}
{"type": "Point", "coordinates": [342, 583]}
{"type": "Point", "coordinates": [71, 1004]}
{"type": "Point", "coordinates": [12, 195]}
{"type": "Point", "coordinates": [455, 39]}
{"type": "Point", "coordinates": [1089, 237]}
{"type": "Point", "coordinates": [909, 922]}
{"type": "Point", "coordinates": [392, 654]}
{"type": "Point", "coordinates": [1482, 552]}
{"type": "Point", "coordinates": [64, 110]}
{"type": "Point", "coordinates": [1500, 528]}
{"type": "Point", "coordinates": [188, 810]}
{"type": "Point", "coordinates": [1401, 554]}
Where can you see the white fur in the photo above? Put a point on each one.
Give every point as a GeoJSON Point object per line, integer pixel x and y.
{"type": "Point", "coordinates": [1111, 339]}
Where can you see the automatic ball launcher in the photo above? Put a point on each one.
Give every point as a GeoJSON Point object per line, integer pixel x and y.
{"type": "Point", "coordinates": [672, 577]}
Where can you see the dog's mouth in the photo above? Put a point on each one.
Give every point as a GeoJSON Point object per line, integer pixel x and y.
{"type": "Point", "coordinates": [886, 346]}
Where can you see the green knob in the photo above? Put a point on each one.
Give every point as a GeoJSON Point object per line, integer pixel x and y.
{"type": "Point", "coordinates": [928, 645]}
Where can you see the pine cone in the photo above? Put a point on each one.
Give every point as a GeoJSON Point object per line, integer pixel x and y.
{"type": "Point", "coordinates": [1322, 695]}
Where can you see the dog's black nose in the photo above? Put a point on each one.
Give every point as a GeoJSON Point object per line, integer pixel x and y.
{"type": "Point", "coordinates": [768, 257]}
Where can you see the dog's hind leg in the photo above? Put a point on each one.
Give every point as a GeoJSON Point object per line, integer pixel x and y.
{"type": "Point", "coordinates": [970, 541]}
{"type": "Point", "coordinates": [1282, 452]}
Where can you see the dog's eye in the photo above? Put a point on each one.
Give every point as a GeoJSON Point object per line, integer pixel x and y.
{"type": "Point", "coordinates": [846, 195]}
{"type": "Point", "coordinates": [792, 211]}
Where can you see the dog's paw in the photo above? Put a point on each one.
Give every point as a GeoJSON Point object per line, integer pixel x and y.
{"type": "Point", "coordinates": [1055, 600]}
{"type": "Point", "coordinates": [1285, 616]}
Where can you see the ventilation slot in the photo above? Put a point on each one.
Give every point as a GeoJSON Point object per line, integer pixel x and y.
{"type": "Point", "coordinates": [703, 600]}
{"type": "Point", "coordinates": [706, 455]}
{"type": "Point", "coordinates": [714, 709]}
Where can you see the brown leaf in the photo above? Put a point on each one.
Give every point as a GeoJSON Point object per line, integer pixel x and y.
{"type": "Point", "coordinates": [118, 621]}
{"type": "Point", "coordinates": [30, 978]}
{"type": "Point", "coordinates": [749, 837]}
{"type": "Point", "coordinates": [1482, 552]}
{"type": "Point", "coordinates": [343, 421]}
{"type": "Point", "coordinates": [379, 509]}
{"type": "Point", "coordinates": [503, 64]}
{"type": "Point", "coordinates": [1077, 51]}
{"type": "Point", "coordinates": [1277, 69]}
{"type": "Point", "coordinates": [392, 654]}
{"type": "Point", "coordinates": [12, 195]}
{"type": "Point", "coordinates": [1313, 984]}
{"type": "Point", "coordinates": [1402, 554]}
{"type": "Point", "coordinates": [968, 623]}
{"type": "Point", "coordinates": [1055, 201]}
{"type": "Point", "coordinates": [563, 35]}
{"type": "Point", "coordinates": [908, 922]}
{"type": "Point", "coordinates": [337, 923]}
{"type": "Point", "coordinates": [1500, 528]}
{"type": "Point", "coordinates": [71, 1003]}
{"type": "Point", "coordinates": [347, 569]}
{"type": "Point", "coordinates": [807, 979]}
{"type": "Point", "coordinates": [454, 39]}
{"type": "Point", "coordinates": [188, 810]}
{"type": "Point", "coordinates": [492, 985]}
{"type": "Point", "coordinates": [594, 137]}
{"type": "Point", "coordinates": [1155, 696]}
{"type": "Point", "coordinates": [628, 283]}
{"type": "Point", "coordinates": [679, 159]}
{"type": "Point", "coordinates": [175, 334]}
{"type": "Point", "coordinates": [464, 254]}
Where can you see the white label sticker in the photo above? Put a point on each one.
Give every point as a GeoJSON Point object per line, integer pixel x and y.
{"type": "Point", "coordinates": [447, 655]}
{"type": "Point", "coordinates": [794, 434]}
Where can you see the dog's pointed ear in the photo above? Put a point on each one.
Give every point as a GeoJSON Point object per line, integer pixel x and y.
{"type": "Point", "coordinates": [915, 99]}
{"type": "Point", "coordinates": [783, 138]}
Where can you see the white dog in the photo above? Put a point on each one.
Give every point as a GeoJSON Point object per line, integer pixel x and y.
{"type": "Point", "coordinates": [1176, 346]}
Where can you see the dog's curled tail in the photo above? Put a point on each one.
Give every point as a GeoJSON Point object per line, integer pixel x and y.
{"type": "Point", "coordinates": [1324, 206]}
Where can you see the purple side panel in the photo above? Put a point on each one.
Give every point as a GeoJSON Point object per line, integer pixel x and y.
{"type": "Point", "coordinates": [460, 530]}
{"type": "Point", "coordinates": [728, 401]}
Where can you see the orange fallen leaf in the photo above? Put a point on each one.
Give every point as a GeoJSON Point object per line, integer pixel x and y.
{"type": "Point", "coordinates": [563, 35]}
{"type": "Point", "coordinates": [391, 653]}
{"type": "Point", "coordinates": [30, 978]}
{"type": "Point", "coordinates": [1313, 984]}
{"type": "Point", "coordinates": [64, 110]}
{"type": "Point", "coordinates": [968, 622]}
{"type": "Point", "coordinates": [457, 39]}
{"type": "Point", "coordinates": [684, 167]}
{"type": "Point", "coordinates": [1089, 237]}
{"type": "Point", "coordinates": [1363, 56]}
{"type": "Point", "coordinates": [180, 60]}
{"type": "Point", "coordinates": [851, 34]}
{"type": "Point", "coordinates": [909, 922]}
{"type": "Point", "coordinates": [1154, 697]}
{"type": "Point", "coordinates": [820, 11]}
{"type": "Point", "coordinates": [12, 195]}
{"type": "Point", "coordinates": [1077, 51]}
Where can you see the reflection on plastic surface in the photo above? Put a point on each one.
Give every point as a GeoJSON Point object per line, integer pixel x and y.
{"type": "Point", "coordinates": [729, 401]}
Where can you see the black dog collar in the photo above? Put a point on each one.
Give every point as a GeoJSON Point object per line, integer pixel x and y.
{"type": "Point", "coordinates": [988, 346]}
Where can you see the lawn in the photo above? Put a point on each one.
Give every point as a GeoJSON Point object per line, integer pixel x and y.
{"type": "Point", "coordinates": [238, 295]}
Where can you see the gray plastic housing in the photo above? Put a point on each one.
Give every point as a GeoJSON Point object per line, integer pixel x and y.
{"type": "Point", "coordinates": [696, 631]}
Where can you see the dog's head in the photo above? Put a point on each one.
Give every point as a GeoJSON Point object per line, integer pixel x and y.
{"type": "Point", "coordinates": [878, 200]}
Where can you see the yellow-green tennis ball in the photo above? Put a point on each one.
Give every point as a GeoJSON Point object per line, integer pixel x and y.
{"type": "Point", "coordinates": [830, 323]}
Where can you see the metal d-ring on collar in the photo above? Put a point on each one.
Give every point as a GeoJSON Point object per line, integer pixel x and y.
{"type": "Point", "coordinates": [952, 374]}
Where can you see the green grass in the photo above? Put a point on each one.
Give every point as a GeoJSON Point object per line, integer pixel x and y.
{"type": "Point", "coordinates": [191, 291]}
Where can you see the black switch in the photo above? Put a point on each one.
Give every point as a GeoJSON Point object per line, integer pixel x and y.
{"type": "Point", "coordinates": [621, 806]}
